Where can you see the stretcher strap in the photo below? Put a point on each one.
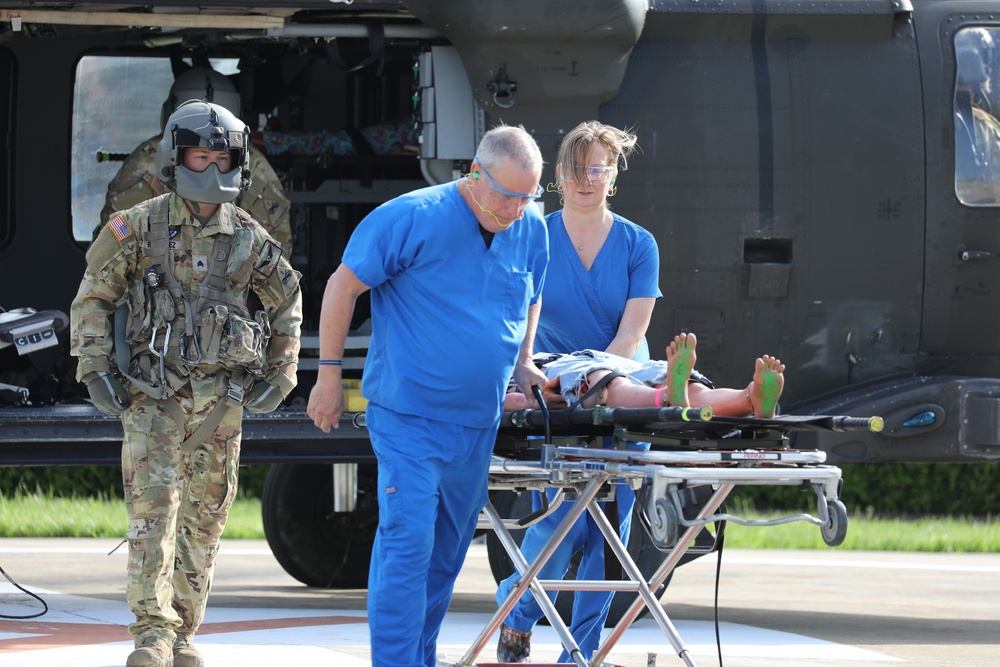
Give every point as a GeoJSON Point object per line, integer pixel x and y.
{"type": "Point", "coordinates": [600, 384]}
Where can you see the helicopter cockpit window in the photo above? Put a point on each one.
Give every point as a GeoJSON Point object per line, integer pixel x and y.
{"type": "Point", "coordinates": [116, 106]}
{"type": "Point", "coordinates": [977, 129]}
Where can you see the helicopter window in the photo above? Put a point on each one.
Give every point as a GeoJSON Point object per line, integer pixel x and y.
{"type": "Point", "coordinates": [116, 106]}
{"type": "Point", "coordinates": [977, 129]}
{"type": "Point", "coordinates": [6, 130]}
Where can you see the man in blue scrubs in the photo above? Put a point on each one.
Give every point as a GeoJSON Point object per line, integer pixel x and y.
{"type": "Point", "coordinates": [452, 267]}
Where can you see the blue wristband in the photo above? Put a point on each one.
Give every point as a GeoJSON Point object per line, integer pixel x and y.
{"type": "Point", "coordinates": [330, 362]}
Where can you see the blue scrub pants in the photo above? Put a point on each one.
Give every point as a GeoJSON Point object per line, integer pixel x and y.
{"type": "Point", "coordinates": [432, 484]}
{"type": "Point", "coordinates": [590, 608]}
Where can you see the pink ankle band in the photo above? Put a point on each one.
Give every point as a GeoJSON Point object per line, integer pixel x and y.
{"type": "Point", "coordinates": [658, 398]}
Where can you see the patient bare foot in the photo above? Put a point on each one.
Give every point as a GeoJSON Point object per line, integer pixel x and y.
{"type": "Point", "coordinates": [764, 391]}
{"type": "Point", "coordinates": [680, 362]}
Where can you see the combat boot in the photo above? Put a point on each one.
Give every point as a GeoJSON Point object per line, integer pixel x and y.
{"type": "Point", "coordinates": [185, 654]}
{"type": "Point", "coordinates": [514, 645]}
{"type": "Point", "coordinates": [152, 651]}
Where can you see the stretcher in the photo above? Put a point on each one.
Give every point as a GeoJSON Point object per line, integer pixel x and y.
{"type": "Point", "coordinates": [563, 450]}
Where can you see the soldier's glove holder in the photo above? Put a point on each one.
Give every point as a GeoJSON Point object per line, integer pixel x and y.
{"type": "Point", "coordinates": [106, 392]}
{"type": "Point", "coordinates": [263, 397]}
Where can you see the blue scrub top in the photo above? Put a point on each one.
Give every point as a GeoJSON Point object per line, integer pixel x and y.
{"type": "Point", "coordinates": [582, 309]}
{"type": "Point", "coordinates": [448, 313]}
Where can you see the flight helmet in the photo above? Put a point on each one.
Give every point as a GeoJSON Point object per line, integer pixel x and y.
{"type": "Point", "coordinates": [201, 83]}
{"type": "Point", "coordinates": [202, 124]}
{"type": "Point", "coordinates": [974, 55]}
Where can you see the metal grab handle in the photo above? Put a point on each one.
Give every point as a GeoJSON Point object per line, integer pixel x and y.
{"type": "Point", "coordinates": [545, 413]}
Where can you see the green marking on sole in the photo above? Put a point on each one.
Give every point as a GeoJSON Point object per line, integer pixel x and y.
{"type": "Point", "coordinates": [769, 391]}
{"type": "Point", "coordinates": [681, 369]}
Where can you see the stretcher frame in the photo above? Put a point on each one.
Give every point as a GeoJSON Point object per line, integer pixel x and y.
{"type": "Point", "coordinates": [684, 453]}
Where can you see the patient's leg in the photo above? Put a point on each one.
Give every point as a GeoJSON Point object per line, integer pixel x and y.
{"type": "Point", "coordinates": [759, 398]}
{"type": "Point", "coordinates": [515, 400]}
{"type": "Point", "coordinates": [724, 401]}
{"type": "Point", "coordinates": [620, 393]}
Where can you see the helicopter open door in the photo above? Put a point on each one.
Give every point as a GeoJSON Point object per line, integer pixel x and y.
{"type": "Point", "coordinates": [961, 312]}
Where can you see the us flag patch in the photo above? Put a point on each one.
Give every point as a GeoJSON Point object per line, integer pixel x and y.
{"type": "Point", "coordinates": [119, 228]}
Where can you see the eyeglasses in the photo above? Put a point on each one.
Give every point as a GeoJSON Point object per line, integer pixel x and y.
{"type": "Point", "coordinates": [539, 190]}
{"type": "Point", "coordinates": [597, 173]}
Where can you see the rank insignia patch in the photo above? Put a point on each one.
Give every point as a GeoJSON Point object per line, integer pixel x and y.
{"type": "Point", "coordinates": [119, 228]}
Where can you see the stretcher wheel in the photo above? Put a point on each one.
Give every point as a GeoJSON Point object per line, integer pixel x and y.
{"type": "Point", "coordinates": [314, 544]}
{"type": "Point", "coordinates": [835, 531]}
{"type": "Point", "coordinates": [664, 524]}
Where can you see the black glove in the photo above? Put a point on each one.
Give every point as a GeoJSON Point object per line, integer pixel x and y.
{"type": "Point", "coordinates": [106, 392]}
{"type": "Point", "coordinates": [263, 397]}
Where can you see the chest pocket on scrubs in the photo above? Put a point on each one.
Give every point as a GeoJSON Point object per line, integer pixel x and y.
{"type": "Point", "coordinates": [519, 284]}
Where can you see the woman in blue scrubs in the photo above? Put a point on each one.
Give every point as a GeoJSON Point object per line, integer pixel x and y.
{"type": "Point", "coordinates": [600, 288]}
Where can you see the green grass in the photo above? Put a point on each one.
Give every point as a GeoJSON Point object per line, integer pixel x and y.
{"type": "Point", "coordinates": [867, 532]}
{"type": "Point", "coordinates": [40, 515]}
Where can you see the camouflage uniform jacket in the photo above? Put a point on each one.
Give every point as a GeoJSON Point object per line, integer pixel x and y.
{"type": "Point", "coordinates": [119, 260]}
{"type": "Point", "coordinates": [265, 201]}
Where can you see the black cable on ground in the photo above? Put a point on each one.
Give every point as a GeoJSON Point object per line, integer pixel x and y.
{"type": "Point", "coordinates": [719, 540]}
{"type": "Point", "coordinates": [27, 592]}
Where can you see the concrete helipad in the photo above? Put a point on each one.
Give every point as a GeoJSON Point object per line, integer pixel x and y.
{"type": "Point", "coordinates": [776, 608]}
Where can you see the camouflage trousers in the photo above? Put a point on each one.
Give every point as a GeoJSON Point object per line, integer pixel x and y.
{"type": "Point", "coordinates": [177, 507]}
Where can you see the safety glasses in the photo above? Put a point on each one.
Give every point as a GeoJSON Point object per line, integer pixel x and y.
{"type": "Point", "coordinates": [596, 173]}
{"type": "Point", "coordinates": [539, 190]}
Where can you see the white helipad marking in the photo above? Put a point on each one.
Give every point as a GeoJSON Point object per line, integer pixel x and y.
{"type": "Point", "coordinates": [229, 549]}
{"type": "Point", "coordinates": [868, 564]}
{"type": "Point", "coordinates": [346, 644]}
{"type": "Point", "coordinates": [645, 636]}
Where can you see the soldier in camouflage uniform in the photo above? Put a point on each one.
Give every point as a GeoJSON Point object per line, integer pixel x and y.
{"type": "Point", "coordinates": [136, 181]}
{"type": "Point", "coordinates": [165, 338]}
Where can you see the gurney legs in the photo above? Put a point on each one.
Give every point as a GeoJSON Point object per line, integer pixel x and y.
{"type": "Point", "coordinates": [529, 572]}
{"type": "Point", "coordinates": [660, 576]}
{"type": "Point", "coordinates": [645, 592]}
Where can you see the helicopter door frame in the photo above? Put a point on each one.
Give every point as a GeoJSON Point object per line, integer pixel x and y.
{"type": "Point", "coordinates": [961, 306]}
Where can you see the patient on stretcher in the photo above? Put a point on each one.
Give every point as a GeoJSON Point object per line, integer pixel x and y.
{"type": "Point", "coordinates": [591, 377]}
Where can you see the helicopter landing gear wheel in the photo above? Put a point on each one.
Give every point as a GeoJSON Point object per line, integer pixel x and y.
{"type": "Point", "coordinates": [314, 544]}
